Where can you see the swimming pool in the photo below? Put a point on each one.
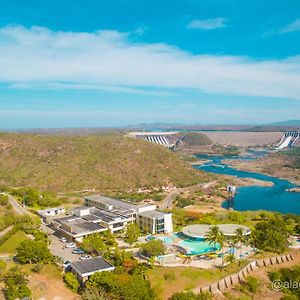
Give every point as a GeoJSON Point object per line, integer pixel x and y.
{"type": "Point", "coordinates": [195, 247]}
{"type": "Point", "coordinates": [190, 246]}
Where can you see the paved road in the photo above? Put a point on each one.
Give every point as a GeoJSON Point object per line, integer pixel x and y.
{"type": "Point", "coordinates": [168, 201]}
{"type": "Point", "coordinates": [6, 230]}
{"type": "Point", "coordinates": [19, 209]}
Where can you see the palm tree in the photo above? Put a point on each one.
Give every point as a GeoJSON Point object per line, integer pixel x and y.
{"type": "Point", "coordinates": [230, 258]}
{"type": "Point", "coordinates": [239, 238]}
{"type": "Point", "coordinates": [215, 236]}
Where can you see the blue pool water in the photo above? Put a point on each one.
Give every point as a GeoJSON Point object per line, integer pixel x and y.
{"type": "Point", "coordinates": [274, 198]}
{"type": "Point", "coordinates": [192, 247]}
{"type": "Point", "coordinates": [197, 247]}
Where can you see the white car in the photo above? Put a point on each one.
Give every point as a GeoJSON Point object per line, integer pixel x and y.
{"type": "Point", "coordinates": [83, 257]}
{"type": "Point", "coordinates": [70, 245]}
{"type": "Point", "coordinates": [67, 263]}
{"type": "Point", "coordinates": [63, 239]}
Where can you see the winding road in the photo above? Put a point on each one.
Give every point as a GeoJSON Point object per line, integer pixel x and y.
{"type": "Point", "coordinates": [168, 201]}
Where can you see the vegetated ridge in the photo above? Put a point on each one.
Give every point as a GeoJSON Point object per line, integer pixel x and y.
{"type": "Point", "coordinates": [104, 162]}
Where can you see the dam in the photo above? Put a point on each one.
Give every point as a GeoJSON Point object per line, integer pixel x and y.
{"type": "Point", "coordinates": [289, 139]}
{"type": "Point", "coordinates": [165, 139]}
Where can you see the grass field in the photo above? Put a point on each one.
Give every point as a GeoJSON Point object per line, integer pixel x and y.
{"type": "Point", "coordinates": [104, 162]}
{"type": "Point", "coordinates": [167, 281]}
{"type": "Point", "coordinates": [9, 247]}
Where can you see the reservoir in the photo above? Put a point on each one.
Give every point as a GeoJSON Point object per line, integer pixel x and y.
{"type": "Point", "coordinates": [274, 198]}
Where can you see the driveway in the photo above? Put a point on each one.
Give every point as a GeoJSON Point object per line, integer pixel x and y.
{"type": "Point", "coordinates": [57, 247]}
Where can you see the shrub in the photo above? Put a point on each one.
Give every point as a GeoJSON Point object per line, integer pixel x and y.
{"type": "Point", "coordinates": [153, 248]}
{"type": "Point", "coordinates": [16, 285]}
{"type": "Point", "coordinates": [71, 281]}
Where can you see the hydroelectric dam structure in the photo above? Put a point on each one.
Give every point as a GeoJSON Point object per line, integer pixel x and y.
{"type": "Point", "coordinates": [289, 139]}
{"type": "Point", "coordinates": [161, 138]}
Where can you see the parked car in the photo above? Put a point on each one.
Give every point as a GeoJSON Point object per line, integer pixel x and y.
{"type": "Point", "coordinates": [83, 257]}
{"type": "Point", "coordinates": [67, 263]}
{"type": "Point", "coordinates": [70, 245]}
{"type": "Point", "coordinates": [78, 251]}
{"type": "Point", "coordinates": [63, 239]}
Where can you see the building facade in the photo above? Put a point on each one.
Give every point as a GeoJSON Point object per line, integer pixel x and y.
{"type": "Point", "coordinates": [155, 222]}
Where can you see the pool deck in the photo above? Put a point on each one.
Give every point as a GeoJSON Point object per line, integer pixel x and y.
{"type": "Point", "coordinates": [207, 263]}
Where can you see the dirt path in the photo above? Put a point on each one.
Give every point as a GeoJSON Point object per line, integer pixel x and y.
{"type": "Point", "coordinates": [48, 288]}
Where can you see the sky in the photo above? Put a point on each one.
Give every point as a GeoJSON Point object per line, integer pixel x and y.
{"type": "Point", "coordinates": [96, 63]}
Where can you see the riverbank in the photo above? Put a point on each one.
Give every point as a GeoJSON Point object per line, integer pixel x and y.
{"type": "Point", "coordinates": [260, 192]}
{"type": "Point", "coordinates": [267, 165]}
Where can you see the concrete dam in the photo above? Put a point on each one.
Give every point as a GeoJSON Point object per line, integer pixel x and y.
{"type": "Point", "coordinates": [161, 138]}
{"type": "Point", "coordinates": [289, 139]}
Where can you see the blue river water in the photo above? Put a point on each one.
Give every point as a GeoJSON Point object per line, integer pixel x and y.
{"type": "Point", "coordinates": [274, 198]}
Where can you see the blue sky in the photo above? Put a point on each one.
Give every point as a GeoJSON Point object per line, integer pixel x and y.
{"type": "Point", "coordinates": [112, 63]}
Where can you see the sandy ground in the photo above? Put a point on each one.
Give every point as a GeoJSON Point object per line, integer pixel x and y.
{"type": "Point", "coordinates": [243, 139]}
{"type": "Point", "coordinates": [49, 288]}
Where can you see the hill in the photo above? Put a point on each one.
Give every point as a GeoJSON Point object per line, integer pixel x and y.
{"type": "Point", "coordinates": [287, 123]}
{"type": "Point", "coordinates": [190, 140]}
{"type": "Point", "coordinates": [104, 162]}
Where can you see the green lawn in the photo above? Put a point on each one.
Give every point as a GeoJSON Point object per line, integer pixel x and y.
{"type": "Point", "coordinates": [13, 242]}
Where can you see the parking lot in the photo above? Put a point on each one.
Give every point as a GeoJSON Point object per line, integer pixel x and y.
{"type": "Point", "coordinates": [58, 248]}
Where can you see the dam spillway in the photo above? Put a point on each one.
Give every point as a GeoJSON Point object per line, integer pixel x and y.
{"type": "Point", "coordinates": [161, 138]}
{"type": "Point", "coordinates": [289, 140]}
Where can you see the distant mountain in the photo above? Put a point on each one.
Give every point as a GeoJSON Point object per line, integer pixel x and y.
{"type": "Point", "coordinates": [286, 123]}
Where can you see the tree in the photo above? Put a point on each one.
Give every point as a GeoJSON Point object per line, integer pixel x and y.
{"type": "Point", "coordinates": [94, 243]}
{"type": "Point", "coordinates": [16, 285]}
{"type": "Point", "coordinates": [230, 258]}
{"type": "Point", "coordinates": [239, 239]}
{"type": "Point", "coordinates": [153, 248]}
{"type": "Point", "coordinates": [93, 293]}
{"type": "Point", "coordinates": [271, 235]}
{"type": "Point", "coordinates": [33, 252]}
{"type": "Point", "coordinates": [215, 237]}
{"type": "Point", "coordinates": [122, 286]}
{"type": "Point", "coordinates": [288, 275]}
{"type": "Point", "coordinates": [71, 281]}
{"type": "Point", "coordinates": [132, 233]}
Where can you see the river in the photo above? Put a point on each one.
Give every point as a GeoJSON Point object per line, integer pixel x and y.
{"type": "Point", "coordinates": [274, 198]}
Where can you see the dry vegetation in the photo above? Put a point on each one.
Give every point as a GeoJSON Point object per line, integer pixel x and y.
{"type": "Point", "coordinates": [103, 162]}
{"type": "Point", "coordinates": [284, 164]}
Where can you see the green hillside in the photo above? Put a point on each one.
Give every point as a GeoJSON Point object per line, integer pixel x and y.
{"type": "Point", "coordinates": [103, 162]}
{"type": "Point", "coordinates": [192, 139]}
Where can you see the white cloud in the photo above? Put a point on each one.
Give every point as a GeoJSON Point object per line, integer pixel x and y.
{"type": "Point", "coordinates": [292, 27]}
{"type": "Point", "coordinates": [110, 60]}
{"type": "Point", "coordinates": [207, 24]}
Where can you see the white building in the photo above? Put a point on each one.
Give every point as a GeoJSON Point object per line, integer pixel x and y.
{"type": "Point", "coordinates": [48, 213]}
{"type": "Point", "coordinates": [155, 222]}
{"type": "Point", "coordinates": [116, 205]}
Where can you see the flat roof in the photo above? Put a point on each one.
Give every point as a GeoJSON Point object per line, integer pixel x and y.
{"type": "Point", "coordinates": [79, 225]}
{"type": "Point", "coordinates": [91, 265]}
{"type": "Point", "coordinates": [153, 214]}
{"type": "Point", "coordinates": [120, 204]}
{"type": "Point", "coordinates": [201, 230]}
